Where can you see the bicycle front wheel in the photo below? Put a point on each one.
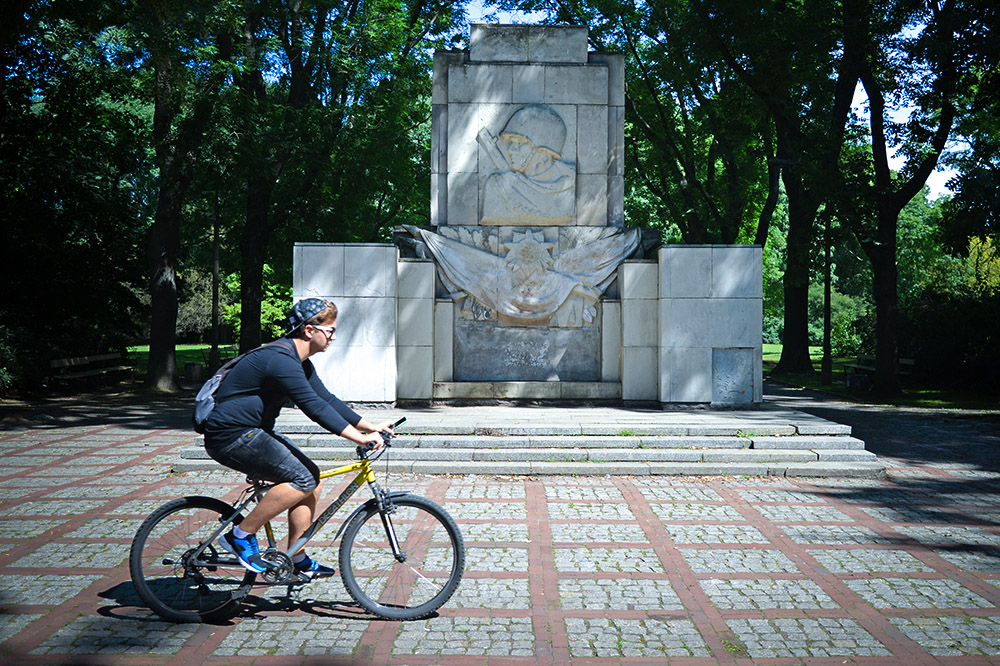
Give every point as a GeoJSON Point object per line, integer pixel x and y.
{"type": "Point", "coordinates": [176, 584]}
{"type": "Point", "coordinates": [416, 587]}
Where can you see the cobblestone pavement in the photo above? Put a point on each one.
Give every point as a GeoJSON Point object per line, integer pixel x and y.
{"type": "Point", "coordinates": [561, 570]}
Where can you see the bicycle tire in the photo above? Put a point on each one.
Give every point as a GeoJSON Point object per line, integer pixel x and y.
{"type": "Point", "coordinates": [183, 591]}
{"type": "Point", "coordinates": [413, 589]}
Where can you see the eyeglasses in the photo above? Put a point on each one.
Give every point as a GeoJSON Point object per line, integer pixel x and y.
{"type": "Point", "coordinates": [329, 330]}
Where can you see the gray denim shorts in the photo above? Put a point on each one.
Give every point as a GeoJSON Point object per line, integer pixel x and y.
{"type": "Point", "coordinates": [268, 457]}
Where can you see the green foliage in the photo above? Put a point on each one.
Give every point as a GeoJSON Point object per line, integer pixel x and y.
{"type": "Point", "coordinates": [11, 367]}
{"type": "Point", "coordinates": [75, 176]}
{"type": "Point", "coordinates": [983, 267]}
{"type": "Point", "coordinates": [194, 312]}
{"type": "Point", "coordinates": [697, 138]}
{"type": "Point", "coordinates": [847, 317]}
{"type": "Point", "coordinates": [275, 305]}
{"type": "Point", "coordinates": [774, 269]}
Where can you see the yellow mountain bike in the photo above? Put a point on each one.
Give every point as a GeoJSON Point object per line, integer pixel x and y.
{"type": "Point", "coordinates": [401, 556]}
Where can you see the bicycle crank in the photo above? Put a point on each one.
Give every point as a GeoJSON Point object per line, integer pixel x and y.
{"type": "Point", "coordinates": [279, 567]}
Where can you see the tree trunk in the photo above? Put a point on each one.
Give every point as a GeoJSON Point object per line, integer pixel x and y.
{"type": "Point", "coordinates": [164, 235]}
{"type": "Point", "coordinates": [826, 370]}
{"type": "Point", "coordinates": [254, 247]}
{"type": "Point", "coordinates": [795, 340]}
{"type": "Point", "coordinates": [176, 139]}
{"type": "Point", "coordinates": [884, 284]}
{"type": "Point", "coordinates": [214, 360]}
{"type": "Point", "coordinates": [164, 238]}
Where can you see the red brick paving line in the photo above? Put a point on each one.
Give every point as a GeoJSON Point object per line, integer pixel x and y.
{"type": "Point", "coordinates": [93, 430]}
{"type": "Point", "coordinates": [56, 618]}
{"type": "Point", "coordinates": [867, 617]}
{"type": "Point", "coordinates": [541, 568]}
{"type": "Point", "coordinates": [547, 618]}
{"type": "Point", "coordinates": [75, 521]}
{"type": "Point", "coordinates": [924, 553]}
{"type": "Point", "coordinates": [375, 645]}
{"type": "Point", "coordinates": [702, 612]}
{"type": "Point", "coordinates": [205, 640]}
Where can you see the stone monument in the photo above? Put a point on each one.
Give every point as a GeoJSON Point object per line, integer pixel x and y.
{"type": "Point", "coordinates": [527, 192]}
{"type": "Point", "coordinates": [527, 284]}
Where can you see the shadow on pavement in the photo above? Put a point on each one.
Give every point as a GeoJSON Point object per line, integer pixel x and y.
{"type": "Point", "coordinates": [125, 405]}
{"type": "Point", "coordinates": [128, 606]}
{"type": "Point", "coordinates": [911, 434]}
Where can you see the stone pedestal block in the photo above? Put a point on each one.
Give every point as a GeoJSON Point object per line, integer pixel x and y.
{"type": "Point", "coordinates": [415, 337]}
{"type": "Point", "coordinates": [361, 279]}
{"type": "Point", "coordinates": [710, 325]}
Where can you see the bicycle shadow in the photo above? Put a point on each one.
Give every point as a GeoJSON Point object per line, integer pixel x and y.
{"type": "Point", "coordinates": [343, 609]}
{"type": "Point", "coordinates": [324, 597]}
{"type": "Point", "coordinates": [279, 599]}
{"type": "Point", "coordinates": [129, 607]}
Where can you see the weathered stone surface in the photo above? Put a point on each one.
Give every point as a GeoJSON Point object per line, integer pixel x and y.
{"type": "Point", "coordinates": [611, 341]}
{"type": "Point", "coordinates": [485, 351]}
{"type": "Point", "coordinates": [557, 43]}
{"type": "Point", "coordinates": [732, 377]}
{"type": "Point", "coordinates": [498, 43]}
{"type": "Point", "coordinates": [640, 373]}
{"type": "Point", "coordinates": [474, 83]}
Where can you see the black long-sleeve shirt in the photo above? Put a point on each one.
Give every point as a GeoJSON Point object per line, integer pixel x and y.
{"type": "Point", "coordinates": [255, 390]}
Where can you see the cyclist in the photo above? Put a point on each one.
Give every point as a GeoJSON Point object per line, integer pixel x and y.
{"type": "Point", "coordinates": [240, 434]}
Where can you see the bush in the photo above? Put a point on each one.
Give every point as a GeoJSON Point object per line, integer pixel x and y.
{"type": "Point", "coordinates": [774, 326]}
{"type": "Point", "coordinates": [19, 353]}
{"type": "Point", "coordinates": [954, 338]}
{"type": "Point", "coordinates": [194, 311]}
{"type": "Point", "coordinates": [849, 321]}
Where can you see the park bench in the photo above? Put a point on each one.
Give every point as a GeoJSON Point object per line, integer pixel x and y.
{"type": "Point", "coordinates": [865, 365]}
{"type": "Point", "coordinates": [93, 367]}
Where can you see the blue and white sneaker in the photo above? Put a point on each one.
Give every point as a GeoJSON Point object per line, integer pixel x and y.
{"type": "Point", "coordinates": [313, 569]}
{"type": "Point", "coordinates": [245, 550]}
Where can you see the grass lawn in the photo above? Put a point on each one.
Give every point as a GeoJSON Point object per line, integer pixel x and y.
{"type": "Point", "coordinates": [139, 356]}
{"type": "Point", "coordinates": [915, 395]}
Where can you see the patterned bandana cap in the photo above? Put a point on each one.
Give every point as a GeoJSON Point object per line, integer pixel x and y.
{"type": "Point", "coordinates": [302, 311]}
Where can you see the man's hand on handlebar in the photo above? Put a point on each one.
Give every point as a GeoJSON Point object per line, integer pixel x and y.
{"type": "Point", "coordinates": [371, 437]}
{"type": "Point", "coordinates": [372, 440]}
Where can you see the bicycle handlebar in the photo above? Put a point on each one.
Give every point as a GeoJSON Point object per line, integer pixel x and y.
{"type": "Point", "coordinates": [363, 449]}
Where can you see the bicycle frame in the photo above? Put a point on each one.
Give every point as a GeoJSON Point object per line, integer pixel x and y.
{"type": "Point", "coordinates": [365, 475]}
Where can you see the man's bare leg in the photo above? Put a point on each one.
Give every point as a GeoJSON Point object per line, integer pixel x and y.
{"type": "Point", "coordinates": [300, 517]}
{"type": "Point", "coordinates": [279, 498]}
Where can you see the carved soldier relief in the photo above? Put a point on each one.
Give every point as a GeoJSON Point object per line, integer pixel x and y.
{"type": "Point", "coordinates": [532, 183]}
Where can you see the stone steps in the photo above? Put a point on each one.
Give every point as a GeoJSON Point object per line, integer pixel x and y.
{"type": "Point", "coordinates": [592, 455]}
{"type": "Point", "coordinates": [705, 443]}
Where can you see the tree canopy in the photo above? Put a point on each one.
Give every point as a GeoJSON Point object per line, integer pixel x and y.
{"type": "Point", "coordinates": [141, 140]}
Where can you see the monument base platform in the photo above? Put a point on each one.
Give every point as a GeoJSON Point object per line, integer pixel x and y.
{"type": "Point", "coordinates": [457, 392]}
{"type": "Point", "coordinates": [595, 440]}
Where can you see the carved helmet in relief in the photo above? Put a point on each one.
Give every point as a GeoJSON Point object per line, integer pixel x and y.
{"type": "Point", "coordinates": [540, 125]}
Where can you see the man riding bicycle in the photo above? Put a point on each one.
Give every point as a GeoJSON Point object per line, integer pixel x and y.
{"type": "Point", "coordinates": [240, 431]}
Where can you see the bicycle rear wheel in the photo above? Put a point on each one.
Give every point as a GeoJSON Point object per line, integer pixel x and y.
{"type": "Point", "coordinates": [415, 588]}
{"type": "Point", "coordinates": [173, 583]}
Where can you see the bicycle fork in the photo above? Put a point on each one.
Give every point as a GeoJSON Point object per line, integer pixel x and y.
{"type": "Point", "coordinates": [385, 509]}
